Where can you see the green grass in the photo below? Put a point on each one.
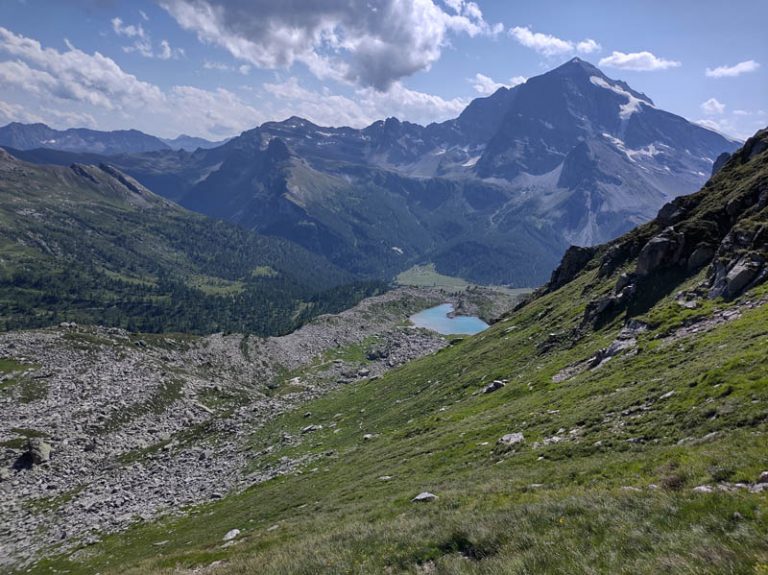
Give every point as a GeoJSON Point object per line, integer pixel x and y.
{"type": "Point", "coordinates": [427, 276]}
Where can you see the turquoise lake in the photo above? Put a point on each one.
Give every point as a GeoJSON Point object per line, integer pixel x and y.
{"type": "Point", "coordinates": [436, 318]}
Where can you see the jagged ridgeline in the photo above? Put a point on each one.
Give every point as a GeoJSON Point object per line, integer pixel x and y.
{"type": "Point", "coordinates": [89, 244]}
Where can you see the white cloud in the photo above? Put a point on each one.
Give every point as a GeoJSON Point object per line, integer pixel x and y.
{"type": "Point", "coordinates": [143, 15]}
{"type": "Point", "coordinates": [72, 75]}
{"type": "Point", "coordinates": [142, 43]}
{"type": "Point", "coordinates": [548, 45]}
{"type": "Point", "coordinates": [371, 44]}
{"type": "Point", "coordinates": [62, 82]}
{"type": "Point", "coordinates": [732, 71]}
{"type": "Point", "coordinates": [713, 107]}
{"type": "Point", "coordinates": [129, 31]}
{"type": "Point", "coordinates": [638, 62]}
{"type": "Point", "coordinates": [15, 113]}
{"type": "Point", "coordinates": [588, 46]}
{"type": "Point", "coordinates": [221, 112]}
{"type": "Point", "coordinates": [741, 113]}
{"type": "Point", "coordinates": [72, 88]}
{"type": "Point", "coordinates": [365, 107]}
{"type": "Point", "coordinates": [486, 85]}
{"type": "Point", "coordinates": [545, 44]}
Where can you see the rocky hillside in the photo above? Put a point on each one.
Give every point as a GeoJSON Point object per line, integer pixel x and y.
{"type": "Point", "coordinates": [87, 243]}
{"type": "Point", "coordinates": [614, 423]}
{"type": "Point", "coordinates": [494, 196]}
{"type": "Point", "coordinates": [103, 429]}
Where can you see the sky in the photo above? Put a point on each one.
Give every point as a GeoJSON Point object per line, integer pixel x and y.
{"type": "Point", "coordinates": [213, 68]}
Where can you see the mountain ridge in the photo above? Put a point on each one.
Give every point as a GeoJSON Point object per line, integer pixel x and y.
{"type": "Point", "coordinates": [465, 194]}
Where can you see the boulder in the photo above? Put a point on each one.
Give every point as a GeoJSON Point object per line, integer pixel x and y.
{"type": "Point", "coordinates": [424, 497]}
{"type": "Point", "coordinates": [231, 534]}
{"type": "Point", "coordinates": [740, 276]}
{"type": "Point", "coordinates": [5, 474]}
{"type": "Point", "coordinates": [701, 256]}
{"type": "Point", "coordinates": [664, 250]}
{"type": "Point", "coordinates": [763, 477]}
{"type": "Point", "coordinates": [493, 386]}
{"type": "Point", "coordinates": [511, 439]}
{"type": "Point", "coordinates": [39, 451]}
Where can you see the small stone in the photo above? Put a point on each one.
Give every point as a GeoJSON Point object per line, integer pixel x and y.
{"type": "Point", "coordinates": [369, 436]}
{"type": "Point", "coordinates": [703, 489]}
{"type": "Point", "coordinates": [231, 534]}
{"type": "Point", "coordinates": [763, 477]}
{"type": "Point", "coordinates": [424, 497]}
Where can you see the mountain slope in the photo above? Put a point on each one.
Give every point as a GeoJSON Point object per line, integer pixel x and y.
{"type": "Point", "coordinates": [31, 136]}
{"type": "Point", "coordinates": [629, 437]}
{"type": "Point", "coordinates": [89, 244]}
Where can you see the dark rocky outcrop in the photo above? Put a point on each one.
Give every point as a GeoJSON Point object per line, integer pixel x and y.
{"type": "Point", "coordinates": [572, 264]}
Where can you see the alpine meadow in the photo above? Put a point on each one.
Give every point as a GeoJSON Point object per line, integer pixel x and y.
{"type": "Point", "coordinates": [390, 287]}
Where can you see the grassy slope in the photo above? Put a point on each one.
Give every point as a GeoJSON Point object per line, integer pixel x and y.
{"type": "Point", "coordinates": [613, 496]}
{"type": "Point", "coordinates": [85, 246]}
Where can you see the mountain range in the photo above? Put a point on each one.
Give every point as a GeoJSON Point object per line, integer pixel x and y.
{"type": "Point", "coordinates": [495, 195]}
{"type": "Point", "coordinates": [32, 136]}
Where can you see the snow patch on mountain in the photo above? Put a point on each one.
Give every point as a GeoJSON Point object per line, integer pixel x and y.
{"type": "Point", "coordinates": [633, 102]}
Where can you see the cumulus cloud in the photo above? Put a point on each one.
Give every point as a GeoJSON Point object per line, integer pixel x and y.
{"type": "Point", "coordinates": [14, 113]}
{"type": "Point", "coordinates": [713, 107]}
{"type": "Point", "coordinates": [486, 85]}
{"type": "Point", "coordinates": [638, 62]}
{"type": "Point", "coordinates": [370, 44]}
{"type": "Point", "coordinates": [75, 78]}
{"type": "Point", "coordinates": [588, 46]}
{"type": "Point", "coordinates": [732, 71]}
{"type": "Point", "coordinates": [72, 75]}
{"type": "Point", "coordinates": [367, 105]}
{"type": "Point", "coordinates": [548, 45]}
{"type": "Point", "coordinates": [73, 88]}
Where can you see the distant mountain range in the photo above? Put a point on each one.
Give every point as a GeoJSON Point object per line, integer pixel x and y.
{"type": "Point", "coordinates": [495, 195]}
{"type": "Point", "coordinates": [192, 143]}
{"type": "Point", "coordinates": [32, 136]}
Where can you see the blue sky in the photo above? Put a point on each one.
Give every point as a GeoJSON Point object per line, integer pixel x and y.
{"type": "Point", "coordinates": [216, 67]}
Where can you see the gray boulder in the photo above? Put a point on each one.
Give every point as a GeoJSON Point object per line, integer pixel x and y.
{"type": "Point", "coordinates": [39, 451]}
{"type": "Point", "coordinates": [664, 250]}
{"type": "Point", "coordinates": [511, 439]}
{"type": "Point", "coordinates": [424, 497]}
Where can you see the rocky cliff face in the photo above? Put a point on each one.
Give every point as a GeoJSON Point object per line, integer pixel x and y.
{"type": "Point", "coordinates": [719, 235]}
